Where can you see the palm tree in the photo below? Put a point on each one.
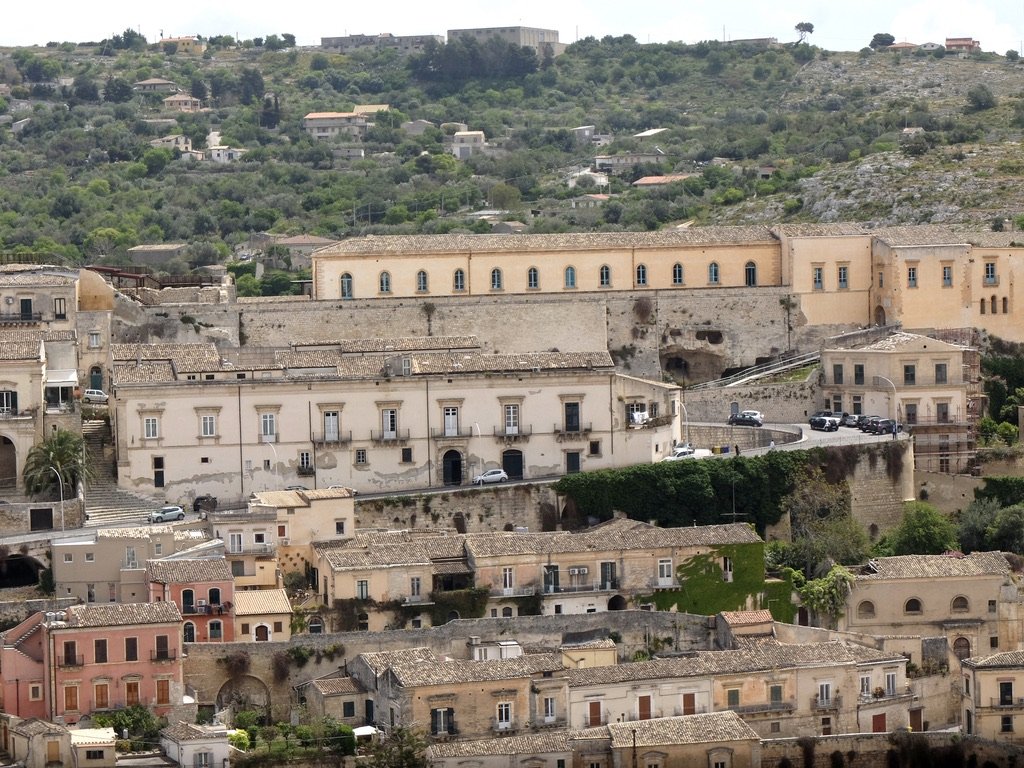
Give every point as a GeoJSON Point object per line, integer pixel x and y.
{"type": "Point", "coordinates": [63, 453]}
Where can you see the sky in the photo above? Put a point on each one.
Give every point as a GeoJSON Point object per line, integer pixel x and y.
{"type": "Point", "coordinates": [997, 24]}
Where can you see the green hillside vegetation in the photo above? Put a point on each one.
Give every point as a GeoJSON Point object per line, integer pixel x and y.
{"type": "Point", "coordinates": [80, 181]}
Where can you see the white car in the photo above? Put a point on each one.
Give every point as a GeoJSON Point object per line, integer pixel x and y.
{"type": "Point", "coordinates": [753, 415]}
{"type": "Point", "coordinates": [95, 396]}
{"type": "Point", "coordinates": [170, 512]}
{"type": "Point", "coordinates": [491, 476]}
{"type": "Point", "coordinates": [687, 451]}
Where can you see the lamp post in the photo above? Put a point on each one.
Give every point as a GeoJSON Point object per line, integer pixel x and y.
{"type": "Point", "coordinates": [889, 382]}
{"type": "Point", "coordinates": [60, 487]}
{"type": "Point", "coordinates": [686, 423]}
{"type": "Point", "coordinates": [277, 477]}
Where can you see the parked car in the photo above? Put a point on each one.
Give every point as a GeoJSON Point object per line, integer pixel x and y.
{"type": "Point", "coordinates": [95, 396]}
{"type": "Point", "coordinates": [849, 420]}
{"type": "Point", "coordinates": [165, 513]}
{"type": "Point", "coordinates": [825, 423]}
{"type": "Point", "coordinates": [739, 420]}
{"type": "Point", "coordinates": [491, 476]}
{"type": "Point", "coordinates": [884, 427]}
{"type": "Point", "coordinates": [863, 419]}
{"type": "Point", "coordinates": [820, 414]}
{"type": "Point", "coordinates": [296, 488]}
{"type": "Point", "coordinates": [687, 451]}
{"type": "Point", "coordinates": [204, 503]}
{"type": "Point", "coordinates": [870, 423]}
{"type": "Point", "coordinates": [753, 414]}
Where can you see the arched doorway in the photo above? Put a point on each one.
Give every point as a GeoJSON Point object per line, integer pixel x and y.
{"type": "Point", "coordinates": [8, 464]}
{"type": "Point", "coordinates": [245, 692]}
{"type": "Point", "coordinates": [879, 315]}
{"type": "Point", "coordinates": [95, 377]}
{"type": "Point", "coordinates": [617, 603]}
{"type": "Point", "coordinates": [451, 464]}
{"type": "Point", "coordinates": [512, 463]}
{"type": "Point", "coordinates": [189, 633]}
{"type": "Point", "coordinates": [962, 648]}
{"type": "Point", "coordinates": [262, 633]}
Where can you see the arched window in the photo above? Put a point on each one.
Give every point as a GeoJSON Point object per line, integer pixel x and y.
{"type": "Point", "coordinates": [506, 612]}
{"type": "Point", "coordinates": [962, 648]}
{"type": "Point", "coordinates": [606, 276]}
{"type": "Point", "coordinates": [713, 273]}
{"type": "Point", "coordinates": [677, 274]}
{"type": "Point", "coordinates": [214, 595]}
{"type": "Point", "coordinates": [459, 280]}
{"type": "Point", "coordinates": [641, 274]}
{"type": "Point", "coordinates": [750, 272]}
{"type": "Point", "coordinates": [866, 610]}
{"type": "Point", "coordinates": [385, 282]}
{"type": "Point", "coordinates": [983, 306]}
{"type": "Point", "coordinates": [421, 281]}
{"type": "Point", "coordinates": [216, 630]}
{"type": "Point", "coordinates": [570, 277]}
{"type": "Point", "coordinates": [315, 626]}
{"type": "Point", "coordinates": [913, 605]}
{"type": "Point", "coordinates": [1006, 305]}
{"type": "Point", "coordinates": [346, 286]}
{"type": "Point", "coordinates": [960, 604]}
{"type": "Point", "coordinates": [496, 282]}
{"type": "Point", "coordinates": [189, 632]}
{"type": "Point", "coordinates": [532, 278]}
{"type": "Point", "coordinates": [992, 304]}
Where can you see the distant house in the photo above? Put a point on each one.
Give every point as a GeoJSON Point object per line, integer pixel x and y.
{"type": "Point", "coordinates": [417, 127]}
{"type": "Point", "coordinates": [649, 133]}
{"type": "Point", "coordinates": [904, 46]}
{"type": "Point", "coordinates": [370, 109]}
{"type": "Point", "coordinates": [590, 201]}
{"type": "Point", "coordinates": [929, 46]}
{"type": "Point", "coordinates": [35, 743]}
{"type": "Point", "coordinates": [657, 181]}
{"type": "Point", "coordinates": [403, 44]}
{"type": "Point", "coordinates": [624, 162]}
{"type": "Point", "coordinates": [341, 698]}
{"type": "Point", "coordinates": [156, 254]}
{"type": "Point", "coordinates": [262, 615]}
{"type": "Point", "coordinates": [329, 125]}
{"type": "Point", "coordinates": [155, 85]}
{"type": "Point", "coordinates": [196, 746]}
{"type": "Point", "coordinates": [183, 103]}
{"type": "Point", "coordinates": [188, 45]}
{"type": "Point", "coordinates": [224, 154]}
{"type": "Point", "coordinates": [962, 44]}
{"type": "Point", "coordinates": [174, 141]}
{"type": "Point", "coordinates": [467, 143]}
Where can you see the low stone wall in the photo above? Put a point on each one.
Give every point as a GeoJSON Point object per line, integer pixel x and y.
{"type": "Point", "coordinates": [785, 403]}
{"type": "Point", "coordinates": [948, 493]}
{"type": "Point", "coordinates": [16, 518]}
{"type": "Point", "coordinates": [863, 750]}
{"type": "Point", "coordinates": [16, 611]}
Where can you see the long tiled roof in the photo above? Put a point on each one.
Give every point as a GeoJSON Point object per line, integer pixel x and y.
{"type": "Point", "coordinates": [412, 674]}
{"type": "Point", "coordinates": [934, 566]}
{"type": "Point", "coordinates": [21, 350]}
{"type": "Point", "coordinates": [524, 744]}
{"type": "Point", "coordinates": [338, 686]}
{"type": "Point", "coordinates": [739, 618]}
{"type": "Point", "coordinates": [379, 661]}
{"type": "Point", "coordinates": [687, 729]}
{"type": "Point", "coordinates": [255, 602]}
{"type": "Point", "coordinates": [903, 339]}
{"type": "Point", "coordinates": [121, 614]}
{"type": "Point", "coordinates": [36, 727]}
{"type": "Point", "coordinates": [191, 732]}
{"type": "Point", "coordinates": [839, 229]}
{"type": "Point", "coordinates": [576, 241]}
{"type": "Point", "coordinates": [996, 660]}
{"type": "Point", "coordinates": [401, 344]}
{"type": "Point", "coordinates": [467, 362]}
{"type": "Point", "coordinates": [911, 235]}
{"type": "Point", "coordinates": [353, 556]}
{"type": "Point", "coordinates": [28, 334]}
{"type": "Point", "coordinates": [185, 357]}
{"type": "Point", "coordinates": [614, 534]}
{"type": "Point", "coordinates": [189, 571]}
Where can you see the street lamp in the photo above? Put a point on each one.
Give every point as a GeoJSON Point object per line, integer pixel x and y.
{"type": "Point", "coordinates": [271, 445]}
{"type": "Point", "coordinates": [686, 423]}
{"type": "Point", "coordinates": [60, 487]}
{"type": "Point", "coordinates": [889, 382]}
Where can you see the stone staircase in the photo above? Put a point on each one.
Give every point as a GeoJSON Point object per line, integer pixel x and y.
{"type": "Point", "coordinates": [105, 503]}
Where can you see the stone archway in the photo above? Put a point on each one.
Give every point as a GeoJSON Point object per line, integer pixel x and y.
{"type": "Point", "coordinates": [617, 603]}
{"type": "Point", "coordinates": [8, 463]}
{"type": "Point", "coordinates": [879, 315]}
{"type": "Point", "coordinates": [451, 467]}
{"type": "Point", "coordinates": [244, 692]}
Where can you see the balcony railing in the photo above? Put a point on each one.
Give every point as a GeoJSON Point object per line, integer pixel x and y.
{"type": "Point", "coordinates": [504, 726]}
{"type": "Point", "coordinates": [9, 413]}
{"type": "Point", "coordinates": [551, 722]}
{"type": "Point", "coordinates": [765, 706]}
{"type": "Point", "coordinates": [256, 513]}
{"type": "Point", "coordinates": [20, 317]}
{"type": "Point", "coordinates": [251, 549]}
{"type": "Point", "coordinates": [389, 436]}
{"type": "Point", "coordinates": [513, 591]}
{"type": "Point", "coordinates": [305, 471]}
{"type": "Point", "coordinates": [663, 582]}
{"type": "Point", "coordinates": [269, 438]}
{"type": "Point", "coordinates": [513, 434]}
{"type": "Point", "coordinates": [437, 432]}
{"type": "Point", "coordinates": [598, 585]}
{"type": "Point", "coordinates": [692, 711]}
{"type": "Point", "coordinates": [563, 434]}
{"type": "Point", "coordinates": [882, 695]}
{"type": "Point", "coordinates": [165, 655]}
{"type": "Point", "coordinates": [131, 565]}
{"type": "Point", "coordinates": [1006, 702]}
{"type": "Point", "coordinates": [71, 661]}
{"type": "Point", "coordinates": [817, 702]}
{"type": "Point", "coordinates": [206, 610]}
{"type": "Point", "coordinates": [332, 438]}
{"type": "Point", "coordinates": [635, 716]}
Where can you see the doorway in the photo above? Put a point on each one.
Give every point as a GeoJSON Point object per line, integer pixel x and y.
{"type": "Point", "coordinates": [451, 465]}
{"type": "Point", "coordinates": [512, 463]}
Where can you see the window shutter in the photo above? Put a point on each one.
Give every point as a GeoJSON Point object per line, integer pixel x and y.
{"type": "Point", "coordinates": [451, 720]}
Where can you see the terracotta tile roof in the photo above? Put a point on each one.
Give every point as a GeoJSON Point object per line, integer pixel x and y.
{"type": "Point", "coordinates": [132, 532]}
{"type": "Point", "coordinates": [188, 571]}
{"type": "Point", "coordinates": [1006, 659]}
{"type": "Point", "coordinates": [355, 556]}
{"type": "Point", "coordinates": [132, 373]}
{"type": "Point", "coordinates": [934, 566]}
{"type": "Point", "coordinates": [739, 618]}
{"type": "Point", "coordinates": [256, 602]}
{"type": "Point", "coordinates": [28, 279]}
{"type": "Point", "coordinates": [379, 661]}
{"type": "Point", "coordinates": [606, 642]}
{"type": "Point", "coordinates": [903, 339]}
{"type": "Point", "coordinates": [339, 686]}
{"type": "Point", "coordinates": [910, 235]}
{"type": "Point", "coordinates": [614, 534]}
{"type": "Point", "coordinates": [402, 344]}
{"type": "Point", "coordinates": [469, 362]}
{"type": "Point", "coordinates": [524, 744]}
{"type": "Point", "coordinates": [122, 614]}
{"type": "Point", "coordinates": [21, 350]}
{"type": "Point", "coordinates": [186, 358]}
{"type": "Point", "coordinates": [36, 727]}
{"type": "Point", "coordinates": [839, 229]}
{"type": "Point", "coordinates": [26, 334]}
{"type": "Point", "coordinates": [373, 245]}
{"type": "Point", "coordinates": [191, 732]}
{"type": "Point", "coordinates": [989, 239]}
{"type": "Point", "coordinates": [688, 729]}
{"type": "Point", "coordinates": [411, 674]}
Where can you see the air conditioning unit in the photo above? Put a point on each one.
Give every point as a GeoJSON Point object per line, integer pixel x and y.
{"type": "Point", "coordinates": [283, 542]}
{"type": "Point", "coordinates": [581, 571]}
{"type": "Point", "coordinates": [200, 603]}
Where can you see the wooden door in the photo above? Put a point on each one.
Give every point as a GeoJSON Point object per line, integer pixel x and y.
{"type": "Point", "coordinates": [916, 724]}
{"type": "Point", "coordinates": [878, 723]}
{"type": "Point", "coordinates": [644, 708]}
{"type": "Point", "coordinates": [594, 714]}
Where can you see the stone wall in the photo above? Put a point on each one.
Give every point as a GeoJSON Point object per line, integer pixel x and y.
{"type": "Point", "coordinates": [863, 750]}
{"type": "Point", "coordinates": [948, 493]}
{"type": "Point", "coordinates": [16, 518]}
{"type": "Point", "coordinates": [782, 403]}
{"type": "Point", "coordinates": [205, 671]}
{"type": "Point", "coordinates": [16, 611]}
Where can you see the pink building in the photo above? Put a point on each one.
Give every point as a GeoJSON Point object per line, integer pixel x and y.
{"type": "Point", "coordinates": [204, 592]}
{"type": "Point", "coordinates": [92, 657]}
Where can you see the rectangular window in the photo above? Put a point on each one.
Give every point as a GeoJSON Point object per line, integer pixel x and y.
{"type": "Point", "coordinates": [278, 626]}
{"type": "Point", "coordinates": [451, 421]}
{"type": "Point", "coordinates": [505, 715]}
{"type": "Point", "coordinates": [71, 698]}
{"type": "Point", "coordinates": [94, 340]}
{"type": "Point", "coordinates": [332, 426]}
{"type": "Point", "coordinates": [245, 629]}
{"type": "Point", "coordinates": [100, 651]}
{"type": "Point", "coordinates": [216, 632]}
{"type": "Point", "coordinates": [572, 417]}
{"type": "Point", "coordinates": [151, 427]}
{"type": "Point", "coordinates": [131, 693]}
{"type": "Point", "coordinates": [858, 374]}
{"type": "Point", "coordinates": [1006, 724]}
{"type": "Point", "coordinates": [339, 527]}
{"type": "Point", "coordinates": [35, 692]}
{"type": "Point", "coordinates": [775, 694]}
{"type": "Point", "coordinates": [68, 557]}
{"type": "Point", "coordinates": [508, 580]}
{"type": "Point", "coordinates": [348, 709]}
{"type": "Point", "coordinates": [549, 708]}
{"type": "Point", "coordinates": [305, 460]}
{"type": "Point", "coordinates": [732, 698]}
{"type": "Point", "coordinates": [909, 375]}
{"type": "Point", "coordinates": [664, 569]}
{"type": "Point", "coordinates": [911, 277]}
{"type": "Point", "coordinates": [942, 413]}
{"type": "Point", "coordinates": [990, 273]}
{"type": "Point", "coordinates": [890, 683]}
{"type": "Point", "coordinates": [947, 277]}
{"type": "Point", "coordinates": [163, 691]}
{"type": "Point", "coordinates": [595, 448]}
{"type": "Point", "coordinates": [940, 373]}
{"type": "Point", "coordinates": [844, 278]}
{"type": "Point", "coordinates": [407, 455]}
{"type": "Point", "coordinates": [865, 685]}
{"type": "Point", "coordinates": [511, 419]}
{"type": "Point", "coordinates": [235, 543]}
{"type": "Point", "coordinates": [101, 695]}
{"type": "Point", "coordinates": [209, 426]}
{"type": "Point", "coordinates": [881, 279]}
{"type": "Point", "coordinates": [268, 426]}
{"type": "Point", "coordinates": [991, 606]}
{"type": "Point", "coordinates": [360, 455]}
{"type": "Point", "coordinates": [837, 373]}
{"type": "Point", "coordinates": [389, 423]}
{"type": "Point", "coordinates": [60, 309]}
{"type": "Point", "coordinates": [858, 405]}
{"type": "Point", "coordinates": [818, 278]}
{"type": "Point", "coordinates": [131, 649]}
{"type": "Point", "coordinates": [910, 409]}
{"type": "Point", "coordinates": [362, 589]}
{"type": "Point", "coordinates": [415, 585]}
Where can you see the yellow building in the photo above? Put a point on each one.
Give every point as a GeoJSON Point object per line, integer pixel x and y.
{"type": "Point", "coordinates": [262, 615]}
{"type": "Point", "coordinates": [992, 697]}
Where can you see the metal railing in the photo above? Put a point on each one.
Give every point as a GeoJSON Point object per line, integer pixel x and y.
{"type": "Point", "coordinates": [252, 549]}
{"type": "Point", "coordinates": [437, 432]}
{"type": "Point", "coordinates": [390, 436]}
{"type": "Point", "coordinates": [765, 706]}
{"type": "Point", "coordinates": [817, 702]}
{"type": "Point", "coordinates": [71, 661]}
{"type": "Point", "coordinates": [514, 433]}
{"type": "Point", "coordinates": [163, 655]}
{"type": "Point", "coordinates": [334, 438]}
{"type": "Point", "coordinates": [513, 591]}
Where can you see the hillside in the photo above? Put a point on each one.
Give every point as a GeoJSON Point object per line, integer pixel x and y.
{"type": "Point", "coordinates": [79, 179]}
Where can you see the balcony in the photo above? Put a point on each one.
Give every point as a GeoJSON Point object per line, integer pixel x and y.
{"type": "Point", "coordinates": [206, 610]}
{"type": "Point", "coordinates": [765, 706]}
{"type": "Point", "coordinates": [504, 726]}
{"type": "Point", "coordinates": [417, 600]}
{"type": "Point", "coordinates": [20, 318]}
{"type": "Point", "coordinates": [164, 655]}
{"type": "Point", "coordinates": [445, 734]}
{"type": "Point", "coordinates": [817, 702]}
{"type": "Point", "coordinates": [513, 591]}
{"type": "Point", "coordinates": [71, 661]}
{"type": "Point", "coordinates": [269, 438]}
{"type": "Point", "coordinates": [551, 722]}
{"type": "Point", "coordinates": [305, 471]}
{"type": "Point", "coordinates": [692, 711]}
{"type": "Point", "coordinates": [7, 414]}
{"type": "Point", "coordinates": [663, 582]}
{"type": "Point", "coordinates": [605, 585]}
{"type": "Point", "coordinates": [632, 717]}
{"type": "Point", "coordinates": [389, 436]}
{"type": "Point", "coordinates": [881, 694]}
{"type": "Point", "coordinates": [443, 432]}
{"type": "Point", "coordinates": [1007, 702]}
{"type": "Point", "coordinates": [251, 549]}
{"type": "Point", "coordinates": [324, 440]}
{"type": "Point", "coordinates": [508, 435]}
{"type": "Point", "coordinates": [568, 434]}
{"type": "Point", "coordinates": [254, 513]}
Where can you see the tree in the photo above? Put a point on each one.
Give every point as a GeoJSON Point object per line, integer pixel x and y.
{"type": "Point", "coordinates": [826, 597]}
{"type": "Point", "coordinates": [881, 40]}
{"type": "Point", "coordinates": [823, 530]}
{"type": "Point", "coordinates": [1007, 530]}
{"type": "Point", "coordinates": [923, 531]}
{"type": "Point", "coordinates": [401, 748]}
{"type": "Point", "coordinates": [62, 453]}
{"type": "Point", "coordinates": [117, 90]}
{"type": "Point", "coordinates": [1012, 55]}
{"type": "Point", "coordinates": [973, 524]}
{"type": "Point", "coordinates": [198, 88]}
{"type": "Point", "coordinates": [805, 28]}
{"type": "Point", "coordinates": [980, 98]}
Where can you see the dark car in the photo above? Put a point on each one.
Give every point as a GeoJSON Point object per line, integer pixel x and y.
{"type": "Point", "coordinates": [204, 503]}
{"type": "Point", "coordinates": [739, 420]}
{"type": "Point", "coordinates": [825, 423]}
{"type": "Point", "coordinates": [849, 420]}
{"type": "Point", "coordinates": [820, 414]}
{"type": "Point", "coordinates": [864, 419]}
{"type": "Point", "coordinates": [870, 425]}
{"type": "Point", "coordinates": [884, 427]}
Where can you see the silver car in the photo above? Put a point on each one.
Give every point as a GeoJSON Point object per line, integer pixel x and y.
{"type": "Point", "coordinates": [169, 512]}
{"type": "Point", "coordinates": [491, 476]}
